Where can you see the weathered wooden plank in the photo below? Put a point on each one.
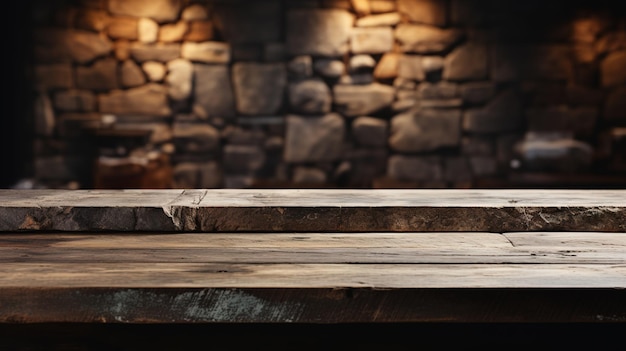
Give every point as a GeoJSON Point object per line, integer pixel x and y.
{"type": "Point", "coordinates": [313, 210]}
{"type": "Point", "coordinates": [379, 276]}
{"type": "Point", "coordinates": [569, 240]}
{"type": "Point", "coordinates": [317, 306]}
{"type": "Point", "coordinates": [459, 248]}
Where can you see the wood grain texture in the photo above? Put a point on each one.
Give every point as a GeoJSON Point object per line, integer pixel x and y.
{"type": "Point", "coordinates": [312, 277]}
{"type": "Point", "coordinates": [313, 210]}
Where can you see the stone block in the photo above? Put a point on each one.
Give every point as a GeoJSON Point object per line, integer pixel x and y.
{"type": "Point", "coordinates": [432, 12]}
{"type": "Point", "coordinates": [121, 50]}
{"type": "Point", "coordinates": [477, 146]}
{"type": "Point", "coordinates": [174, 32]}
{"type": "Point", "coordinates": [424, 130]}
{"type": "Point", "coordinates": [613, 69]}
{"type": "Point", "coordinates": [159, 10]}
{"type": "Point", "coordinates": [369, 131]}
{"type": "Point", "coordinates": [259, 87]}
{"type": "Point", "coordinates": [468, 62]}
{"type": "Point", "coordinates": [483, 166]}
{"type": "Point", "coordinates": [195, 12]}
{"type": "Point", "coordinates": [156, 52]}
{"type": "Point", "coordinates": [425, 39]}
{"type": "Point", "coordinates": [531, 62]}
{"type": "Point", "coordinates": [179, 79]}
{"type": "Point", "coordinates": [379, 20]}
{"type": "Point", "coordinates": [318, 32]}
{"type": "Point", "coordinates": [206, 52]}
{"type": "Point", "coordinates": [360, 63]}
{"type": "Point", "coordinates": [44, 115]}
{"type": "Point", "coordinates": [503, 113]}
{"type": "Point", "coordinates": [361, 7]}
{"type": "Point", "coordinates": [92, 20]}
{"type": "Point", "coordinates": [410, 67]}
{"type": "Point", "coordinates": [255, 22]}
{"type": "Point", "coordinates": [374, 40]}
{"type": "Point", "coordinates": [75, 101]}
{"type": "Point", "coordinates": [383, 6]}
{"type": "Point", "coordinates": [362, 100]}
{"type": "Point", "coordinates": [101, 76]}
{"type": "Point", "coordinates": [310, 97]}
{"type": "Point", "coordinates": [432, 64]}
{"type": "Point", "coordinates": [199, 31]}
{"type": "Point", "coordinates": [362, 78]}
{"type": "Point", "coordinates": [314, 139]}
{"type": "Point", "coordinates": [123, 28]}
{"type": "Point", "coordinates": [437, 91]}
{"type": "Point", "coordinates": [195, 138]}
{"type": "Point", "coordinates": [213, 92]}
{"type": "Point", "coordinates": [148, 31]}
{"type": "Point", "coordinates": [309, 175]}
{"type": "Point", "coordinates": [54, 76]}
{"type": "Point", "coordinates": [387, 67]}
{"type": "Point", "coordinates": [329, 68]}
{"type": "Point", "coordinates": [300, 67]}
{"type": "Point", "coordinates": [554, 152]}
{"type": "Point", "coordinates": [131, 74]}
{"type": "Point", "coordinates": [415, 168]}
{"type": "Point", "coordinates": [154, 70]}
{"type": "Point", "coordinates": [150, 99]}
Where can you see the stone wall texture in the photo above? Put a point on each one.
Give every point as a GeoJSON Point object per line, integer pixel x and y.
{"type": "Point", "coordinates": [334, 93]}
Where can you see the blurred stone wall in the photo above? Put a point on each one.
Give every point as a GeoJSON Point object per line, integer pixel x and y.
{"type": "Point", "coordinates": [334, 93]}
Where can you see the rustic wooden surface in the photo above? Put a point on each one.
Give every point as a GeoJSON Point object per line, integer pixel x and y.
{"type": "Point", "coordinates": [312, 277]}
{"type": "Point", "coordinates": [313, 210]}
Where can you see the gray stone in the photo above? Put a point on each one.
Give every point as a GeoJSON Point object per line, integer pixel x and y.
{"type": "Point", "coordinates": [206, 52]}
{"type": "Point", "coordinates": [387, 68]}
{"type": "Point", "coordinates": [404, 84]}
{"type": "Point", "coordinates": [54, 45]}
{"type": "Point", "coordinates": [374, 40]}
{"type": "Point", "coordinates": [179, 79]}
{"type": "Point", "coordinates": [433, 12]}
{"type": "Point", "coordinates": [403, 105]}
{"type": "Point", "coordinates": [415, 168]}
{"type": "Point", "coordinates": [243, 159]}
{"type": "Point", "coordinates": [54, 76]}
{"type": "Point", "coordinates": [425, 130]}
{"type": "Point", "coordinates": [318, 32]}
{"type": "Point", "coordinates": [314, 139]}
{"type": "Point", "coordinates": [259, 88]}
{"type": "Point", "coordinates": [580, 120]}
{"type": "Point", "coordinates": [381, 20]}
{"type": "Point", "coordinates": [159, 10]}
{"type": "Point", "coordinates": [554, 152]}
{"type": "Point", "coordinates": [311, 97]}
{"type": "Point", "coordinates": [213, 92]}
{"type": "Point", "coordinates": [424, 39]}
{"type": "Point", "coordinates": [102, 75]}
{"type": "Point", "coordinates": [432, 64]}
{"type": "Point", "coordinates": [615, 107]}
{"type": "Point", "coordinates": [195, 138]}
{"type": "Point", "coordinates": [131, 74]}
{"type": "Point", "coordinates": [503, 113]}
{"type": "Point", "coordinates": [477, 93]}
{"type": "Point", "coordinates": [362, 100]}
{"type": "Point", "coordinates": [369, 131]}
{"type": "Point", "coordinates": [156, 52]}
{"type": "Point", "coordinates": [255, 22]}
{"type": "Point", "coordinates": [123, 28]}
{"type": "Point", "coordinates": [300, 67]}
{"type": "Point", "coordinates": [613, 69]}
{"type": "Point", "coordinates": [468, 62]}
{"type": "Point", "coordinates": [175, 32]}
{"type": "Point", "coordinates": [154, 70]}
{"type": "Point", "coordinates": [195, 12]}
{"type": "Point", "coordinates": [329, 68]}
{"type": "Point", "coordinates": [240, 136]}
{"type": "Point", "coordinates": [150, 99]}
{"type": "Point", "coordinates": [148, 31]}
{"type": "Point", "coordinates": [361, 63]}
{"type": "Point", "coordinates": [309, 175]}
{"type": "Point", "coordinates": [437, 91]}
{"type": "Point", "coordinates": [75, 101]}
{"type": "Point", "coordinates": [410, 67]}
{"type": "Point", "coordinates": [364, 78]}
